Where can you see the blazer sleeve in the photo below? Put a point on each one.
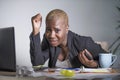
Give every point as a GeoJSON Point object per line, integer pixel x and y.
{"type": "Point", "coordinates": [83, 42]}
{"type": "Point", "coordinates": [94, 48]}
{"type": "Point", "coordinates": [38, 56]}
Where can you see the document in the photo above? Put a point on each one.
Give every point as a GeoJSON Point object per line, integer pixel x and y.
{"type": "Point", "coordinates": [80, 73]}
{"type": "Point", "coordinates": [97, 70]}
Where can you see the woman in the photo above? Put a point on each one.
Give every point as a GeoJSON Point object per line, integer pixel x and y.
{"type": "Point", "coordinates": [61, 46]}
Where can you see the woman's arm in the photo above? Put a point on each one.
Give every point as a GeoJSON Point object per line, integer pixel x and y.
{"type": "Point", "coordinates": [38, 56]}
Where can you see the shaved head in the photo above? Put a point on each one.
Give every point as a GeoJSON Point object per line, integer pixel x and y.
{"type": "Point", "coordinates": [57, 14]}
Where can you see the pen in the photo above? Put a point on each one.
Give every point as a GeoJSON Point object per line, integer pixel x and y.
{"type": "Point", "coordinates": [76, 69]}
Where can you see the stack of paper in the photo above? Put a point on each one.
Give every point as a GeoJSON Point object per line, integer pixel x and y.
{"type": "Point", "coordinates": [103, 70]}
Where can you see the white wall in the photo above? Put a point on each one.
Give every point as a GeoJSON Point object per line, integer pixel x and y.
{"type": "Point", "coordinates": [95, 18]}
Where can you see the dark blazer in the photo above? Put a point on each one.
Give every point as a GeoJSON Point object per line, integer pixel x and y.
{"type": "Point", "coordinates": [40, 52]}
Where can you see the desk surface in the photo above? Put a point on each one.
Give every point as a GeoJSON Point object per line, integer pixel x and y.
{"type": "Point", "coordinates": [49, 78]}
{"type": "Point", "coordinates": [5, 73]}
{"type": "Point", "coordinates": [81, 76]}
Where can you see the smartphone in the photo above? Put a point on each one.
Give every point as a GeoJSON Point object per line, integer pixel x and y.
{"type": "Point", "coordinates": [88, 56]}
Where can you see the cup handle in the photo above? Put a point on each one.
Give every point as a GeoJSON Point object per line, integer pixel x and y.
{"type": "Point", "coordinates": [114, 58]}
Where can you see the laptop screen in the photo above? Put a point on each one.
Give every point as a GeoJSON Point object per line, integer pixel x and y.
{"type": "Point", "coordinates": [7, 49]}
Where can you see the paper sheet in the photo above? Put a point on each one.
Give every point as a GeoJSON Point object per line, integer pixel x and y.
{"type": "Point", "coordinates": [90, 72]}
{"type": "Point", "coordinates": [97, 70]}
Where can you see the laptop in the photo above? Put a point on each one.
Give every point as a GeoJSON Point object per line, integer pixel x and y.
{"type": "Point", "coordinates": [7, 50]}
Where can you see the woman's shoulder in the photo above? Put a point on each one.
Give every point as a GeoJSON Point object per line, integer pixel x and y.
{"type": "Point", "coordinates": [77, 36]}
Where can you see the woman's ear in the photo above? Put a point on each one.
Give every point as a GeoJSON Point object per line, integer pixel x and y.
{"type": "Point", "coordinates": [67, 28]}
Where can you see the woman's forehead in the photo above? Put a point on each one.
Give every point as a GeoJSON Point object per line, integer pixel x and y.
{"type": "Point", "coordinates": [56, 22]}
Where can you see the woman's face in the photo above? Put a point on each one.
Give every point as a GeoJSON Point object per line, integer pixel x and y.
{"type": "Point", "coordinates": [56, 32]}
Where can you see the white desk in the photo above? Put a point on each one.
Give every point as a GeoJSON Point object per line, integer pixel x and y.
{"type": "Point", "coordinates": [80, 76]}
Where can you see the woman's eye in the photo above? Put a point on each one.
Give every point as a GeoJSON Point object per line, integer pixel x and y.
{"type": "Point", "coordinates": [57, 30]}
{"type": "Point", "coordinates": [48, 30]}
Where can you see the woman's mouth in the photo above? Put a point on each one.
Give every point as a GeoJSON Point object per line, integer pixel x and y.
{"type": "Point", "coordinates": [53, 42]}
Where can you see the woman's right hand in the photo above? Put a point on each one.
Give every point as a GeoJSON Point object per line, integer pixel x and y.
{"type": "Point", "coordinates": [84, 59]}
{"type": "Point", "coordinates": [36, 23]}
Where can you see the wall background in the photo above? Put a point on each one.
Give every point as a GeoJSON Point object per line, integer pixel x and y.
{"type": "Point", "coordinates": [95, 18]}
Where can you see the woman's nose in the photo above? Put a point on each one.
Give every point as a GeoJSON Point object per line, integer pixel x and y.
{"type": "Point", "coordinates": [52, 35]}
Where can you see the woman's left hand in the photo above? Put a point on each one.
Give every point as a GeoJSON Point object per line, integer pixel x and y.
{"type": "Point", "coordinates": [85, 60]}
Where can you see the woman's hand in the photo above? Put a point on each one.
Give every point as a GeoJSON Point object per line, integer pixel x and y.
{"type": "Point", "coordinates": [84, 60]}
{"type": "Point", "coordinates": [36, 23]}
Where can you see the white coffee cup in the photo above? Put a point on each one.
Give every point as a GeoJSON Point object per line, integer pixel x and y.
{"type": "Point", "coordinates": [106, 59]}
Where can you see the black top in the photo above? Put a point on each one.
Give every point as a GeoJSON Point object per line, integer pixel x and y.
{"type": "Point", "coordinates": [40, 52]}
